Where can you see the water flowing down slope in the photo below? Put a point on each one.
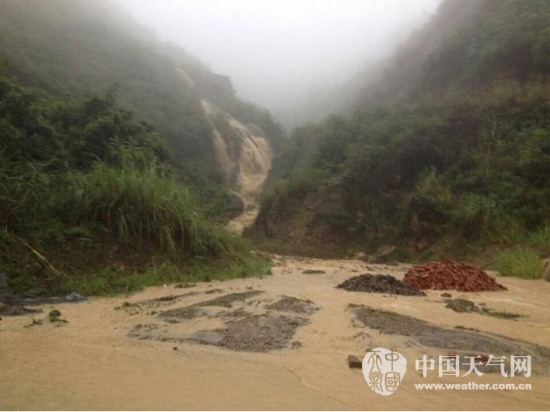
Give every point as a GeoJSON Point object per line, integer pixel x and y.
{"type": "Point", "coordinates": [245, 158]}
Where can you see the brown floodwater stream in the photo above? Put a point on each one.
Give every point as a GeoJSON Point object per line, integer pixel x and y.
{"type": "Point", "coordinates": [284, 347]}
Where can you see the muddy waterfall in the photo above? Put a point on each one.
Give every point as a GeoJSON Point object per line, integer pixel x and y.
{"type": "Point", "coordinates": [244, 154]}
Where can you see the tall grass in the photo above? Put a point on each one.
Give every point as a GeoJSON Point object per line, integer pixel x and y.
{"type": "Point", "coordinates": [24, 191]}
{"type": "Point", "coordinates": [520, 262]}
{"type": "Point", "coordinates": [541, 237]}
{"type": "Point", "coordinates": [139, 201]}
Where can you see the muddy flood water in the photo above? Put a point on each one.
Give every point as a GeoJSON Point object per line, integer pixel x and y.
{"type": "Point", "coordinates": [277, 342]}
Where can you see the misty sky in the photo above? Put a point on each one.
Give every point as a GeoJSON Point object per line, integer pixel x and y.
{"type": "Point", "coordinates": [276, 50]}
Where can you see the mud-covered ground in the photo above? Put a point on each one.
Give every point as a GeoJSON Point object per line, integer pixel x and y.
{"type": "Point", "coordinates": [281, 342]}
{"type": "Point", "coordinates": [245, 321]}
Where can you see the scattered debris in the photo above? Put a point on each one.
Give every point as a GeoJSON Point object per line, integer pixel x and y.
{"type": "Point", "coordinates": [34, 322]}
{"type": "Point", "coordinates": [240, 330]}
{"type": "Point", "coordinates": [379, 284]}
{"type": "Point", "coordinates": [261, 333]}
{"type": "Point", "coordinates": [133, 308]}
{"type": "Point", "coordinates": [164, 299]}
{"type": "Point", "coordinates": [228, 300]}
{"type": "Point", "coordinates": [314, 272]}
{"type": "Point", "coordinates": [252, 333]}
{"type": "Point", "coordinates": [450, 275]}
{"type": "Point", "coordinates": [130, 308]}
{"type": "Point", "coordinates": [461, 305]}
{"type": "Point", "coordinates": [464, 305]}
{"type": "Point", "coordinates": [211, 291]}
{"type": "Point", "coordinates": [354, 362]}
{"type": "Point", "coordinates": [292, 304]}
{"type": "Point", "coordinates": [16, 310]}
{"type": "Point", "coordinates": [188, 312]}
{"type": "Point", "coordinates": [197, 310]}
{"type": "Point", "coordinates": [74, 297]}
{"type": "Point", "coordinates": [503, 314]}
{"type": "Point", "coordinates": [184, 285]}
{"type": "Point", "coordinates": [41, 259]}
{"type": "Point", "coordinates": [427, 334]}
{"type": "Point", "coordinates": [54, 317]}
{"type": "Point", "coordinates": [168, 298]}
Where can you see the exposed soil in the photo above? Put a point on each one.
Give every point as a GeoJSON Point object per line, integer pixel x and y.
{"type": "Point", "coordinates": [379, 284]}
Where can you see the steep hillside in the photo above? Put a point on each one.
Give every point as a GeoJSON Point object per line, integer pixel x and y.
{"type": "Point", "coordinates": [448, 152]}
{"type": "Point", "coordinates": [112, 175]}
{"type": "Point", "coordinates": [79, 47]}
{"type": "Point", "coordinates": [88, 204]}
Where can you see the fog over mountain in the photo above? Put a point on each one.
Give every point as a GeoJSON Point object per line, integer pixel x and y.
{"type": "Point", "coordinates": [278, 52]}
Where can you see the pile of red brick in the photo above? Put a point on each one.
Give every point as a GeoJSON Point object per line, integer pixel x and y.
{"type": "Point", "coordinates": [450, 275]}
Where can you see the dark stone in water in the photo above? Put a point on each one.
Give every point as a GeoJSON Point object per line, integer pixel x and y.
{"type": "Point", "coordinates": [379, 284]}
{"type": "Point", "coordinates": [354, 362]}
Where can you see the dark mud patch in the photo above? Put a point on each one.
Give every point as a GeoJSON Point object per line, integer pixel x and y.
{"type": "Point", "coordinates": [212, 291]}
{"type": "Point", "coordinates": [261, 333]}
{"type": "Point", "coordinates": [187, 313]}
{"type": "Point", "coordinates": [144, 331]}
{"type": "Point", "coordinates": [208, 337]}
{"type": "Point", "coordinates": [134, 308]}
{"type": "Point", "coordinates": [379, 284]}
{"type": "Point", "coordinates": [426, 334]}
{"type": "Point", "coordinates": [185, 285]}
{"type": "Point", "coordinates": [314, 272]}
{"type": "Point", "coordinates": [461, 305]}
{"type": "Point", "coordinates": [467, 306]}
{"type": "Point", "coordinates": [168, 298]}
{"type": "Point", "coordinates": [294, 305]}
{"type": "Point", "coordinates": [16, 310]}
{"type": "Point", "coordinates": [252, 333]}
{"type": "Point", "coordinates": [231, 326]}
{"type": "Point", "coordinates": [227, 301]}
{"type": "Point", "coordinates": [232, 314]}
{"type": "Point", "coordinates": [198, 310]}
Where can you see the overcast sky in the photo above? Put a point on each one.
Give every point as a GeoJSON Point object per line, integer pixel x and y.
{"type": "Point", "coordinates": [275, 50]}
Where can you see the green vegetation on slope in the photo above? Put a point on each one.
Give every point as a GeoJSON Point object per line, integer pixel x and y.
{"type": "Point", "coordinates": [87, 203]}
{"type": "Point", "coordinates": [459, 155]}
{"type": "Point", "coordinates": [79, 47]}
